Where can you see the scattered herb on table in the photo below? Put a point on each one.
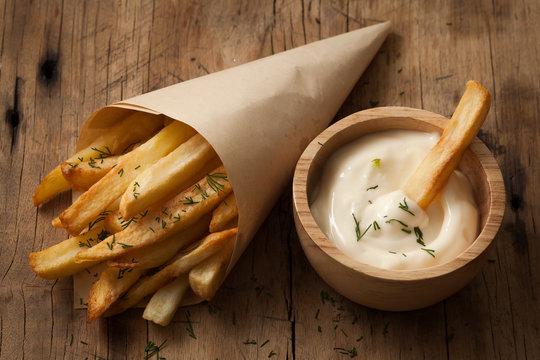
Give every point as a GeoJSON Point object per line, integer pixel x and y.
{"type": "Point", "coordinates": [264, 343]}
{"type": "Point", "coordinates": [385, 330]}
{"type": "Point", "coordinates": [351, 353]}
{"type": "Point", "coordinates": [152, 349]}
{"type": "Point", "coordinates": [326, 297]}
{"type": "Point", "coordinates": [189, 328]}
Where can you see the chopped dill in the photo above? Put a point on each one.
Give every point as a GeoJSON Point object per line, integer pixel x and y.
{"type": "Point", "coordinates": [103, 153]}
{"type": "Point", "coordinates": [401, 222]}
{"type": "Point", "coordinates": [213, 181]}
{"type": "Point", "coordinates": [419, 236]}
{"type": "Point", "coordinates": [152, 349]}
{"type": "Point", "coordinates": [189, 329]}
{"type": "Point", "coordinates": [405, 207]}
{"type": "Point", "coordinates": [429, 251]}
{"type": "Point", "coordinates": [359, 234]}
{"type": "Point", "coordinates": [189, 201]}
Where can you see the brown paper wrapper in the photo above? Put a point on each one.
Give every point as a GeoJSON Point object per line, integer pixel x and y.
{"type": "Point", "coordinates": [258, 116]}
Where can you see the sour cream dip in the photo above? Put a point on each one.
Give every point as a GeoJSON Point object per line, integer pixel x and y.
{"type": "Point", "coordinates": [358, 204]}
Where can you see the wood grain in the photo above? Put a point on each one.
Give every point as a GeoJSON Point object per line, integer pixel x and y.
{"type": "Point", "coordinates": [61, 60]}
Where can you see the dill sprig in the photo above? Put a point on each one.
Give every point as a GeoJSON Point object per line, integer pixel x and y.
{"type": "Point", "coordinates": [326, 297]}
{"type": "Point", "coordinates": [376, 163]}
{"type": "Point", "coordinates": [93, 223]}
{"type": "Point", "coordinates": [429, 251]}
{"type": "Point", "coordinates": [264, 343]}
{"type": "Point", "coordinates": [189, 201]}
{"type": "Point", "coordinates": [103, 153]}
{"type": "Point", "coordinates": [92, 164]}
{"type": "Point", "coordinates": [250, 342]}
{"type": "Point", "coordinates": [399, 221]}
{"type": "Point", "coordinates": [189, 328]}
{"type": "Point", "coordinates": [152, 349]}
{"type": "Point", "coordinates": [419, 236]}
{"type": "Point", "coordinates": [213, 181]}
{"type": "Point", "coordinates": [111, 245]}
{"type": "Point", "coordinates": [405, 207]}
{"type": "Point", "coordinates": [372, 187]}
{"type": "Point", "coordinates": [125, 223]}
{"type": "Point", "coordinates": [350, 353]}
{"type": "Point", "coordinates": [359, 234]}
{"type": "Point", "coordinates": [122, 271]}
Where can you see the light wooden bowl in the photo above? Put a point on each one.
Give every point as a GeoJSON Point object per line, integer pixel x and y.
{"type": "Point", "coordinates": [395, 290]}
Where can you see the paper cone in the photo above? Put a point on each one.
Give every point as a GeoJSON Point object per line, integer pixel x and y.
{"type": "Point", "coordinates": [260, 116]}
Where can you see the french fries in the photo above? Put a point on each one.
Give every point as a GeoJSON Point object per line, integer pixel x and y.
{"type": "Point", "coordinates": [163, 305]}
{"type": "Point", "coordinates": [112, 186]}
{"type": "Point", "coordinates": [114, 222]}
{"type": "Point", "coordinates": [154, 255]}
{"type": "Point", "coordinates": [172, 173]}
{"type": "Point", "coordinates": [175, 215]}
{"type": "Point", "coordinates": [224, 213]}
{"type": "Point", "coordinates": [112, 283]}
{"type": "Point", "coordinates": [82, 175]}
{"type": "Point", "coordinates": [132, 129]}
{"type": "Point", "coordinates": [433, 172]}
{"type": "Point", "coordinates": [203, 249]}
{"type": "Point", "coordinates": [59, 260]}
{"type": "Point", "coordinates": [157, 200]}
{"type": "Point", "coordinates": [206, 277]}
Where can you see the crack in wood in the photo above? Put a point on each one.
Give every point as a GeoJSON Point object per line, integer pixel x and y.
{"type": "Point", "coordinates": [13, 116]}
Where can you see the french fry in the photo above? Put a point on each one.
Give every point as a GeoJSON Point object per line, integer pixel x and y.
{"type": "Point", "coordinates": [56, 223]}
{"type": "Point", "coordinates": [111, 186]}
{"type": "Point", "coordinates": [433, 172]}
{"type": "Point", "coordinates": [163, 305]}
{"type": "Point", "coordinates": [113, 222]}
{"type": "Point", "coordinates": [206, 277]}
{"type": "Point", "coordinates": [182, 264]}
{"type": "Point", "coordinates": [167, 177]}
{"type": "Point", "coordinates": [172, 217]}
{"type": "Point", "coordinates": [82, 175]}
{"type": "Point", "coordinates": [59, 260]}
{"type": "Point", "coordinates": [133, 128]}
{"type": "Point", "coordinates": [157, 254]}
{"type": "Point", "coordinates": [224, 213]}
{"type": "Point", "coordinates": [112, 283]}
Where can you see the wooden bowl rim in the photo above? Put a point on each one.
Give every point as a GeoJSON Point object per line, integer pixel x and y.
{"type": "Point", "coordinates": [479, 150]}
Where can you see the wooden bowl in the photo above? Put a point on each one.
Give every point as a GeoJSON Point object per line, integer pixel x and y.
{"type": "Point", "coordinates": [395, 290]}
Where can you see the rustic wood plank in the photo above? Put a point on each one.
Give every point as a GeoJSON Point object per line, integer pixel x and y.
{"type": "Point", "coordinates": [60, 61]}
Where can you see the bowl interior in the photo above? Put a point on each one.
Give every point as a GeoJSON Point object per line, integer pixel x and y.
{"type": "Point", "coordinates": [477, 164]}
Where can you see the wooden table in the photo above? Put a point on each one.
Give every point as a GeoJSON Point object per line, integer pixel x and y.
{"type": "Point", "coordinates": [61, 60]}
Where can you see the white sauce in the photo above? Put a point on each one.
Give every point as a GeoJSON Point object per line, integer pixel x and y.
{"type": "Point", "coordinates": [449, 225]}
